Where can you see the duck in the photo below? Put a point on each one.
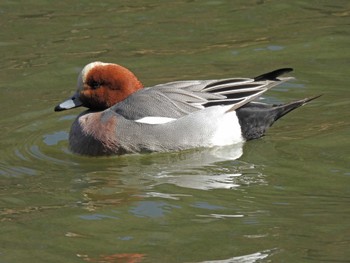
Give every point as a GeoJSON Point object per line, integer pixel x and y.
{"type": "Point", "coordinates": [124, 117]}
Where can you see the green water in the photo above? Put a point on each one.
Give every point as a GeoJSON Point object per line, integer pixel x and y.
{"type": "Point", "coordinates": [286, 199]}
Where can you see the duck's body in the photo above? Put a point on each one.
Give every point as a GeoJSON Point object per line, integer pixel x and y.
{"type": "Point", "coordinates": [124, 117]}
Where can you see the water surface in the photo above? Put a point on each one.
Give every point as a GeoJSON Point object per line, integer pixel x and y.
{"type": "Point", "coordinates": [285, 199]}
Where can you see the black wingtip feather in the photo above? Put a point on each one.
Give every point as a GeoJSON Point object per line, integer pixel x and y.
{"type": "Point", "coordinates": [273, 74]}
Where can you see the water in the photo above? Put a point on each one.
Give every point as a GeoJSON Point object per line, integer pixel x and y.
{"type": "Point", "coordinates": [286, 199]}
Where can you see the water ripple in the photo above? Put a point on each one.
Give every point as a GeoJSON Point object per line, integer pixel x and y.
{"type": "Point", "coordinates": [33, 146]}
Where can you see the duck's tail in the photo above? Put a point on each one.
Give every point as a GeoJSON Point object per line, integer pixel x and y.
{"type": "Point", "coordinates": [283, 109]}
{"type": "Point", "coordinates": [255, 118]}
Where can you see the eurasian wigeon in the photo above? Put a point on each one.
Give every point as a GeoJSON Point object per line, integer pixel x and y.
{"type": "Point", "coordinates": [124, 117]}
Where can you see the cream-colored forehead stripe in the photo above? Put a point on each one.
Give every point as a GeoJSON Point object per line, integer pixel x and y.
{"type": "Point", "coordinates": [88, 67]}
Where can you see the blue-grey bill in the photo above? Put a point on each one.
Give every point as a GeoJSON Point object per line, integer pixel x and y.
{"type": "Point", "coordinates": [69, 104]}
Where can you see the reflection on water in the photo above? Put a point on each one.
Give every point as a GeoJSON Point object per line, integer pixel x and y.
{"type": "Point", "coordinates": [197, 169]}
{"type": "Point", "coordinates": [251, 258]}
{"type": "Point", "coordinates": [286, 199]}
{"type": "Point", "coordinates": [203, 182]}
{"type": "Point", "coordinates": [134, 258]}
{"type": "Point", "coordinates": [55, 138]}
{"type": "Point", "coordinates": [142, 176]}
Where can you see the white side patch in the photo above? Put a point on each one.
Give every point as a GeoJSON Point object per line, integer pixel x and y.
{"type": "Point", "coordinates": [228, 130]}
{"type": "Point", "coordinates": [155, 120]}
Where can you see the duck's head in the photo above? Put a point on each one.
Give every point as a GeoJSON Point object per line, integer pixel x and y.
{"type": "Point", "coordinates": [100, 86]}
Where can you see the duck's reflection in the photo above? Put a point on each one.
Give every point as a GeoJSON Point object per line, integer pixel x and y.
{"type": "Point", "coordinates": [128, 178]}
{"type": "Point", "coordinates": [200, 169]}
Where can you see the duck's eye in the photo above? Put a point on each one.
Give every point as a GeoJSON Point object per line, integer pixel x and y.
{"type": "Point", "coordinates": [95, 84]}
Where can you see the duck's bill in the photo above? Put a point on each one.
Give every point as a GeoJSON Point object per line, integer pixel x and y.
{"type": "Point", "coordinates": [71, 103]}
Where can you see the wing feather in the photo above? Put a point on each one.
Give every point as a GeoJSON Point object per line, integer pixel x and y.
{"type": "Point", "coordinates": [179, 98]}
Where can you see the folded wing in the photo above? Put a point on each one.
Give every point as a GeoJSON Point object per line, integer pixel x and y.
{"type": "Point", "coordinates": [179, 98]}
